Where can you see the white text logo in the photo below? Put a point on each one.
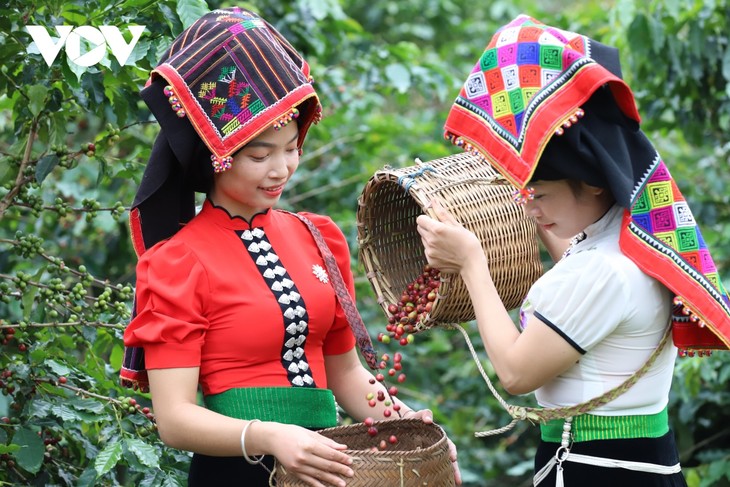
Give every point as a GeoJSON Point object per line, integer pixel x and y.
{"type": "Point", "coordinates": [71, 37]}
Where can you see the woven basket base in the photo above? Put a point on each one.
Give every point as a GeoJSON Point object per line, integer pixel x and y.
{"type": "Point", "coordinates": [419, 458]}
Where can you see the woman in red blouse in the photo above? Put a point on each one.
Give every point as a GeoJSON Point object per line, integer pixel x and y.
{"type": "Point", "coordinates": [237, 298]}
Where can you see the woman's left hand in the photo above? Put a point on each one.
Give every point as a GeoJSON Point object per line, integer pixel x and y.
{"type": "Point", "coordinates": [427, 417]}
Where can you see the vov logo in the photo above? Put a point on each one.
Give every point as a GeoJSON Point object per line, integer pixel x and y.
{"type": "Point", "coordinates": [70, 37]}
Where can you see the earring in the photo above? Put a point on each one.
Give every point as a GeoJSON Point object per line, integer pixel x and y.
{"type": "Point", "coordinates": [221, 164]}
{"type": "Point", "coordinates": [522, 196]}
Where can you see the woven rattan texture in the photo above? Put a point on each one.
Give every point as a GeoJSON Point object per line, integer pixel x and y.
{"type": "Point", "coordinates": [474, 193]}
{"type": "Point", "coordinates": [419, 458]}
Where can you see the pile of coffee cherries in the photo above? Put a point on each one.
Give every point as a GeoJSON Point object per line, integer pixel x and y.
{"type": "Point", "coordinates": [415, 303]}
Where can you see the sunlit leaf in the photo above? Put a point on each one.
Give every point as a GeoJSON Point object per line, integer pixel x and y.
{"type": "Point", "coordinates": [36, 98]}
{"type": "Point", "coordinates": [147, 454]}
{"type": "Point", "coordinates": [108, 458]}
{"type": "Point", "coordinates": [191, 10]}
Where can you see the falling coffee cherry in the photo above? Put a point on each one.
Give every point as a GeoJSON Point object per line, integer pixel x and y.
{"type": "Point", "coordinates": [403, 319]}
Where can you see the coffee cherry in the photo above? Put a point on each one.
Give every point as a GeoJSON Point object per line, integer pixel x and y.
{"type": "Point", "coordinates": [62, 380]}
{"type": "Point", "coordinates": [372, 431]}
{"type": "Point", "coordinates": [392, 439]}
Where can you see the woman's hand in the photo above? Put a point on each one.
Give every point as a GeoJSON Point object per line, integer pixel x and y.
{"type": "Point", "coordinates": [427, 417]}
{"type": "Point", "coordinates": [317, 460]}
{"type": "Point", "coordinates": [448, 246]}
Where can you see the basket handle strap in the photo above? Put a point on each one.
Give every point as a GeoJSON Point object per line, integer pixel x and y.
{"type": "Point", "coordinates": [519, 413]}
{"type": "Point", "coordinates": [343, 295]}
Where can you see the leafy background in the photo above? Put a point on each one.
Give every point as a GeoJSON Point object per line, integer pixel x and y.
{"type": "Point", "coordinates": [387, 73]}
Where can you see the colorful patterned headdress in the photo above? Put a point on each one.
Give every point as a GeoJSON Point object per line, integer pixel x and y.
{"type": "Point", "coordinates": [226, 79]}
{"type": "Point", "coordinates": [535, 83]}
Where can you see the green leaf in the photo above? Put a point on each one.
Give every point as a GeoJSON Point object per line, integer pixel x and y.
{"type": "Point", "coordinates": [146, 453]}
{"type": "Point", "coordinates": [87, 479]}
{"type": "Point", "coordinates": [58, 369]}
{"type": "Point", "coordinates": [8, 448]}
{"type": "Point", "coordinates": [726, 66]}
{"type": "Point", "coordinates": [173, 23]}
{"type": "Point", "coordinates": [191, 10]}
{"type": "Point", "coordinates": [75, 69]}
{"type": "Point", "coordinates": [30, 454]}
{"type": "Point", "coordinates": [45, 166]}
{"type": "Point", "coordinates": [62, 411]}
{"type": "Point", "coordinates": [28, 299]}
{"type": "Point", "coordinates": [399, 77]}
{"type": "Point", "coordinates": [108, 458]}
{"type": "Point", "coordinates": [90, 405]}
{"type": "Point", "coordinates": [37, 99]}
{"type": "Point", "coordinates": [93, 83]}
{"type": "Point", "coordinates": [103, 170]}
{"type": "Point", "coordinates": [116, 356]}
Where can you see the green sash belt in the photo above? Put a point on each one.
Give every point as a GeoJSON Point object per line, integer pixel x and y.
{"type": "Point", "coordinates": [304, 406]}
{"type": "Point", "coordinates": [588, 427]}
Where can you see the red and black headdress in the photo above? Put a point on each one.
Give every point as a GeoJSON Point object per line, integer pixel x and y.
{"type": "Point", "coordinates": [224, 80]}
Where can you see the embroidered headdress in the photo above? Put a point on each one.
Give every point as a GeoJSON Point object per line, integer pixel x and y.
{"type": "Point", "coordinates": [224, 80]}
{"type": "Point", "coordinates": [539, 93]}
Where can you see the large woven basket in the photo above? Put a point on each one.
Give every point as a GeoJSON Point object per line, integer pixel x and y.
{"type": "Point", "coordinates": [419, 458]}
{"type": "Point", "coordinates": [479, 198]}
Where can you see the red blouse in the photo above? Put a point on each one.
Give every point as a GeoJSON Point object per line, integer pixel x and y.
{"type": "Point", "coordinates": [247, 303]}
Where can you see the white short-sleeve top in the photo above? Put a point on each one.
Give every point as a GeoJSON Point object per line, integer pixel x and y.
{"type": "Point", "coordinates": [599, 301]}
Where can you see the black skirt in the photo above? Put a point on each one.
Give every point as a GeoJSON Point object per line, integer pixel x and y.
{"type": "Point", "coordinates": [659, 451]}
{"type": "Point", "coordinates": [206, 471]}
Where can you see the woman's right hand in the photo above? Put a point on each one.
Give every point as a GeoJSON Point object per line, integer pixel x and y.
{"type": "Point", "coordinates": [448, 246]}
{"type": "Point", "coordinates": [317, 460]}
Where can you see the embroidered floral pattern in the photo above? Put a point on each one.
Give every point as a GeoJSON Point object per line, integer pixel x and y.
{"type": "Point", "coordinates": [320, 273]}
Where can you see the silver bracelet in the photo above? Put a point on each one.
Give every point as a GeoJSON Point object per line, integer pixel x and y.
{"type": "Point", "coordinates": [252, 461]}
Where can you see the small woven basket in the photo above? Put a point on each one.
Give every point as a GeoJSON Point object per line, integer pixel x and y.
{"type": "Point", "coordinates": [419, 458]}
{"type": "Point", "coordinates": [479, 198]}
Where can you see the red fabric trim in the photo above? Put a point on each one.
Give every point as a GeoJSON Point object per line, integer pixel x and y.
{"type": "Point", "coordinates": [135, 227]}
{"type": "Point", "coordinates": [218, 145]}
{"type": "Point", "coordinates": [134, 379]}
{"type": "Point", "coordinates": [689, 336]}
{"type": "Point", "coordinates": [663, 269]}
{"type": "Point", "coordinates": [518, 165]}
